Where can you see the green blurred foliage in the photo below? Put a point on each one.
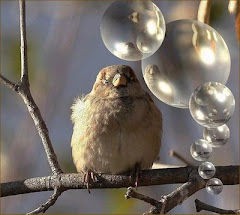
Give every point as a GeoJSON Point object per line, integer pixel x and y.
{"type": "Point", "coordinates": [12, 60]}
{"type": "Point", "coordinates": [66, 163]}
{"type": "Point", "coordinates": [118, 204]}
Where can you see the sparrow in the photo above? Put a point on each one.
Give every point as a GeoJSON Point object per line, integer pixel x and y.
{"type": "Point", "coordinates": [117, 126]}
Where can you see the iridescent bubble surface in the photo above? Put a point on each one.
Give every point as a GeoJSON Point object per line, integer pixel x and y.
{"type": "Point", "coordinates": [133, 30]}
{"type": "Point", "coordinates": [217, 137]}
{"type": "Point", "coordinates": [214, 186]}
{"type": "Point", "coordinates": [201, 150]}
{"type": "Point", "coordinates": [212, 104]}
{"type": "Point", "coordinates": [206, 170]}
{"type": "Point", "coordinates": [191, 54]}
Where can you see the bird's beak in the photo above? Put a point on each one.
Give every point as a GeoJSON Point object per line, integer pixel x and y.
{"type": "Point", "coordinates": [119, 80]}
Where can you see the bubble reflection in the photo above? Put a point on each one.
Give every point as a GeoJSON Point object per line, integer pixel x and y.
{"type": "Point", "coordinates": [212, 104]}
{"type": "Point", "coordinates": [132, 30]}
{"type": "Point", "coordinates": [217, 136]}
{"type": "Point", "coordinates": [191, 54]}
{"type": "Point", "coordinates": [206, 170]}
{"type": "Point", "coordinates": [214, 186]}
{"type": "Point", "coordinates": [201, 150]}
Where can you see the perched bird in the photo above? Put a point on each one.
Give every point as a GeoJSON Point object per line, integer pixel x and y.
{"type": "Point", "coordinates": [116, 126]}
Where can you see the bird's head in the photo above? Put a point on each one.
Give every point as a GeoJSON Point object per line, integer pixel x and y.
{"type": "Point", "coordinates": [117, 81]}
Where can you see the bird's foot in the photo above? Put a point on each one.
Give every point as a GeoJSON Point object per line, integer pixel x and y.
{"type": "Point", "coordinates": [136, 174]}
{"type": "Point", "coordinates": [89, 177]}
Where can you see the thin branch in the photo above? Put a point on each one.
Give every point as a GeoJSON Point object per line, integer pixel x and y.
{"type": "Point", "coordinates": [204, 11]}
{"type": "Point", "coordinates": [168, 202]}
{"type": "Point", "coordinates": [237, 21]}
{"type": "Point", "coordinates": [203, 206]}
{"type": "Point", "coordinates": [25, 93]}
{"type": "Point", "coordinates": [9, 84]}
{"type": "Point", "coordinates": [179, 195]}
{"type": "Point", "coordinates": [173, 153]}
{"type": "Point", "coordinates": [229, 175]}
{"type": "Point", "coordinates": [23, 47]}
{"type": "Point", "coordinates": [51, 201]}
{"type": "Point", "coordinates": [133, 194]}
{"type": "Point", "coordinates": [232, 6]}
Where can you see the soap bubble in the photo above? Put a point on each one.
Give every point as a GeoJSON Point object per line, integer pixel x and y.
{"type": "Point", "coordinates": [217, 136]}
{"type": "Point", "coordinates": [201, 150]}
{"type": "Point", "coordinates": [214, 186]}
{"type": "Point", "coordinates": [212, 104]}
{"type": "Point", "coordinates": [191, 54]}
{"type": "Point", "coordinates": [206, 170]}
{"type": "Point", "coordinates": [133, 30]}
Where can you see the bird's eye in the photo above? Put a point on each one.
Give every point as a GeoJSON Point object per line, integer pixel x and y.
{"type": "Point", "coordinates": [105, 82]}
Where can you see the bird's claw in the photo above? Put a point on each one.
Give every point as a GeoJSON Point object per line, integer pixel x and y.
{"type": "Point", "coordinates": [89, 177]}
{"type": "Point", "coordinates": [136, 173]}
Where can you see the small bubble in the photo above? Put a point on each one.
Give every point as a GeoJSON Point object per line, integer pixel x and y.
{"type": "Point", "coordinates": [216, 109]}
{"type": "Point", "coordinates": [206, 170]}
{"type": "Point", "coordinates": [214, 186]}
{"type": "Point", "coordinates": [217, 136]}
{"type": "Point", "coordinates": [201, 150]}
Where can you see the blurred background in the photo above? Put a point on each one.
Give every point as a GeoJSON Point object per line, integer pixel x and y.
{"type": "Point", "coordinates": [65, 53]}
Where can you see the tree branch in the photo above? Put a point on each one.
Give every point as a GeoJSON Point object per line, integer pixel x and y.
{"type": "Point", "coordinates": [23, 89]}
{"type": "Point", "coordinates": [229, 175]}
{"type": "Point", "coordinates": [133, 194]}
{"type": "Point", "coordinates": [204, 11]}
{"type": "Point", "coordinates": [25, 93]}
{"type": "Point", "coordinates": [10, 84]}
{"type": "Point", "coordinates": [168, 202]}
{"type": "Point", "coordinates": [173, 153]}
{"type": "Point", "coordinates": [232, 6]}
{"type": "Point", "coordinates": [203, 206]}
{"type": "Point", "coordinates": [23, 46]}
{"type": "Point", "coordinates": [51, 201]}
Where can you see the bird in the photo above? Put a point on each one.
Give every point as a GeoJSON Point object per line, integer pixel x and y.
{"type": "Point", "coordinates": [116, 127]}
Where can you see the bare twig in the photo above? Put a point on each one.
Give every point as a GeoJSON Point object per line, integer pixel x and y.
{"type": "Point", "coordinates": [204, 11]}
{"type": "Point", "coordinates": [171, 200]}
{"type": "Point", "coordinates": [232, 6]}
{"type": "Point", "coordinates": [173, 153]}
{"type": "Point", "coordinates": [175, 198]}
{"type": "Point", "coordinates": [168, 202]}
{"type": "Point", "coordinates": [23, 89]}
{"type": "Point", "coordinates": [23, 47]}
{"type": "Point", "coordinates": [237, 21]}
{"type": "Point", "coordinates": [229, 175]}
{"type": "Point", "coordinates": [9, 84]}
{"type": "Point", "coordinates": [51, 201]}
{"type": "Point", "coordinates": [25, 93]}
{"type": "Point", "coordinates": [203, 206]}
{"type": "Point", "coordinates": [133, 194]}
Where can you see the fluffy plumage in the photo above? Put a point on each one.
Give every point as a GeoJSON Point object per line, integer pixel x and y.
{"type": "Point", "coordinates": [116, 126]}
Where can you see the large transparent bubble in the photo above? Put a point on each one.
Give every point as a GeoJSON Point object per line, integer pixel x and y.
{"type": "Point", "coordinates": [191, 54]}
{"type": "Point", "coordinates": [212, 104]}
{"type": "Point", "coordinates": [133, 30]}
